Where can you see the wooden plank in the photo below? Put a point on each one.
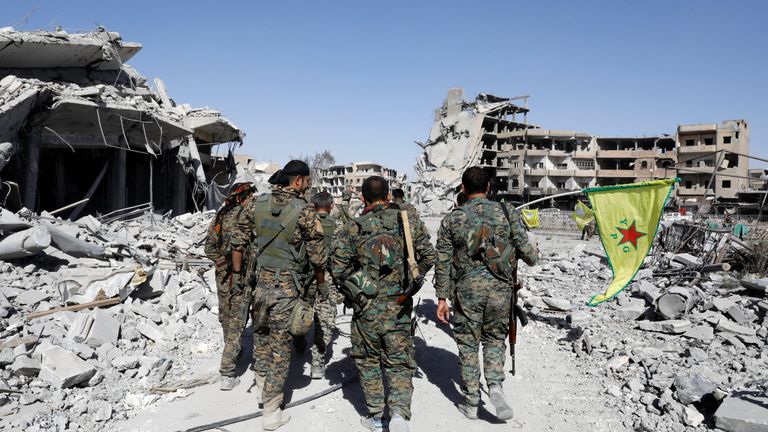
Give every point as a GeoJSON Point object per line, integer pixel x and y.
{"type": "Point", "coordinates": [20, 341]}
{"type": "Point", "coordinates": [73, 308]}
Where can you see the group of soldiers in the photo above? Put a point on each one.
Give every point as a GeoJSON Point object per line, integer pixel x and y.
{"type": "Point", "coordinates": [288, 264]}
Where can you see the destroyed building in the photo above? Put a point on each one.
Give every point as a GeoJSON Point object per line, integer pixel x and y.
{"type": "Point", "coordinates": [338, 178]}
{"type": "Point", "coordinates": [527, 162]}
{"type": "Point", "coordinates": [77, 123]}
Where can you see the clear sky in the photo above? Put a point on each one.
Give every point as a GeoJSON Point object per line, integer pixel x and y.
{"type": "Point", "coordinates": [362, 78]}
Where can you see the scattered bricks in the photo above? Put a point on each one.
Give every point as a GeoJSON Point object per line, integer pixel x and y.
{"type": "Point", "coordinates": [702, 333]}
{"type": "Point", "coordinates": [78, 332]}
{"type": "Point", "coordinates": [105, 329]}
{"type": "Point", "coordinates": [690, 389]}
{"type": "Point", "coordinates": [63, 369]}
{"type": "Point", "coordinates": [668, 326]}
{"type": "Point", "coordinates": [728, 327]}
{"type": "Point", "coordinates": [123, 363]}
{"type": "Point", "coordinates": [151, 331]}
{"type": "Point", "coordinates": [25, 366]}
{"type": "Point", "coordinates": [743, 415]}
{"type": "Point", "coordinates": [557, 304]}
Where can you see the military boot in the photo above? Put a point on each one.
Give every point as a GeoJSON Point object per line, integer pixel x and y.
{"type": "Point", "coordinates": [503, 410]}
{"type": "Point", "coordinates": [398, 424]}
{"type": "Point", "coordinates": [372, 423]}
{"type": "Point", "coordinates": [273, 414]}
{"type": "Point", "coordinates": [228, 383]}
{"type": "Point", "coordinates": [317, 371]}
{"type": "Point", "coordinates": [469, 411]}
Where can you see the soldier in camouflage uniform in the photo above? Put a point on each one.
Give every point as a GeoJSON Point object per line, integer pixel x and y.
{"type": "Point", "coordinates": [369, 255]}
{"type": "Point", "coordinates": [327, 295]}
{"type": "Point", "coordinates": [288, 235]}
{"type": "Point", "coordinates": [224, 249]}
{"type": "Point", "coordinates": [398, 197]}
{"type": "Point", "coordinates": [482, 300]}
{"type": "Point", "coordinates": [347, 210]}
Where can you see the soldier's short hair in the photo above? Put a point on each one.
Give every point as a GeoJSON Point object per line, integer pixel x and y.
{"type": "Point", "coordinates": [322, 200]}
{"type": "Point", "coordinates": [461, 199]}
{"type": "Point", "coordinates": [475, 180]}
{"type": "Point", "coordinates": [398, 194]}
{"type": "Point", "coordinates": [375, 188]}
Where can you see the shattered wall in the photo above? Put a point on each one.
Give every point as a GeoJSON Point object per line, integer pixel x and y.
{"type": "Point", "coordinates": [80, 123]}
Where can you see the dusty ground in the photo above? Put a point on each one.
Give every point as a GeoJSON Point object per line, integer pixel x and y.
{"type": "Point", "coordinates": [553, 390]}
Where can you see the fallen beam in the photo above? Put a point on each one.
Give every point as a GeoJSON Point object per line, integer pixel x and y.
{"type": "Point", "coordinates": [74, 308]}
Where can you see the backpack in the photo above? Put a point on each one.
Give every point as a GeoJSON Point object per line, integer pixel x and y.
{"type": "Point", "coordinates": [496, 253]}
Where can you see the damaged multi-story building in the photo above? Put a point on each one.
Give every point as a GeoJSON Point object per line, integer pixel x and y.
{"type": "Point", "coordinates": [338, 178]}
{"type": "Point", "coordinates": [528, 162]}
{"type": "Point", "coordinates": [78, 123]}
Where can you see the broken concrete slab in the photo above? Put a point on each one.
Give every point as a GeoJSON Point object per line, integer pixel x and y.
{"type": "Point", "coordinates": [703, 333]}
{"type": "Point", "coordinates": [105, 329]}
{"type": "Point", "coordinates": [24, 243]}
{"type": "Point", "coordinates": [727, 326]}
{"type": "Point", "coordinates": [557, 304]}
{"type": "Point", "coordinates": [123, 363]}
{"type": "Point", "coordinates": [668, 326]}
{"type": "Point", "coordinates": [687, 260]}
{"type": "Point", "coordinates": [62, 369]}
{"type": "Point", "coordinates": [743, 414]}
{"type": "Point", "coordinates": [80, 328]}
{"type": "Point", "coordinates": [648, 291]}
{"type": "Point", "coordinates": [151, 331]}
{"type": "Point", "coordinates": [25, 366]}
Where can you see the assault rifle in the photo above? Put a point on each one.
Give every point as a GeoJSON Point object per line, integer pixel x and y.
{"type": "Point", "coordinates": [515, 313]}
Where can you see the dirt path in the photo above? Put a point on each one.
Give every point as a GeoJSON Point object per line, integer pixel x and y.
{"type": "Point", "coordinates": [553, 390]}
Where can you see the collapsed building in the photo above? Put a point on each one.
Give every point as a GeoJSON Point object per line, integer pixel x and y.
{"type": "Point", "coordinates": [527, 162]}
{"type": "Point", "coordinates": [78, 124]}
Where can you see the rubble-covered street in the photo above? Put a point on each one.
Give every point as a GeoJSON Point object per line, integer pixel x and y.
{"type": "Point", "coordinates": [149, 362]}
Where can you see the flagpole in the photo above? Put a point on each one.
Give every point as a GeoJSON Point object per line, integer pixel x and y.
{"type": "Point", "coordinates": [550, 197]}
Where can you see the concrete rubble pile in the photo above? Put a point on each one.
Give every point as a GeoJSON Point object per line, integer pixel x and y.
{"type": "Point", "coordinates": [687, 353]}
{"type": "Point", "coordinates": [76, 367]}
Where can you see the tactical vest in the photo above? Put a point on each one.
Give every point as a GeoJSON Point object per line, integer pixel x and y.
{"type": "Point", "coordinates": [274, 228]}
{"type": "Point", "coordinates": [380, 246]}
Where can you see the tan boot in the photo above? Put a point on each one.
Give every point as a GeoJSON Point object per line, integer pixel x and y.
{"type": "Point", "coordinates": [273, 414]}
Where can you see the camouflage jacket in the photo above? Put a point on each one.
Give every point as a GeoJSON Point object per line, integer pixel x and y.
{"type": "Point", "coordinates": [309, 229]}
{"type": "Point", "coordinates": [452, 244]}
{"type": "Point", "coordinates": [349, 249]}
{"type": "Point", "coordinates": [224, 234]}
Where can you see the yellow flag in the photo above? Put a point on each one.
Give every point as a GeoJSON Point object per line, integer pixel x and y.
{"type": "Point", "coordinates": [582, 215]}
{"type": "Point", "coordinates": [627, 218]}
{"type": "Point", "coordinates": [531, 217]}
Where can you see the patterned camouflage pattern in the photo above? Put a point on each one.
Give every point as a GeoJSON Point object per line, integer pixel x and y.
{"type": "Point", "coordinates": [326, 299]}
{"type": "Point", "coordinates": [274, 295]}
{"type": "Point", "coordinates": [481, 301]}
{"type": "Point", "coordinates": [381, 334]}
{"type": "Point", "coordinates": [233, 298]}
{"type": "Point", "coordinates": [347, 210]}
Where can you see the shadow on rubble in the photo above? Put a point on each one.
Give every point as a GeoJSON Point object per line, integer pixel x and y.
{"type": "Point", "coordinates": [441, 368]}
{"type": "Point", "coordinates": [426, 310]}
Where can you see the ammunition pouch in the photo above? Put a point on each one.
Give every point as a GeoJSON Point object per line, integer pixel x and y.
{"type": "Point", "coordinates": [301, 318]}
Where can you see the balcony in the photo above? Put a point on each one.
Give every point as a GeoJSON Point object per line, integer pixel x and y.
{"type": "Point", "coordinates": [625, 173]}
{"type": "Point", "coordinates": [560, 173]}
{"type": "Point", "coordinates": [697, 149]}
{"type": "Point", "coordinates": [616, 154]}
{"type": "Point", "coordinates": [537, 152]}
{"type": "Point", "coordinates": [584, 154]}
{"type": "Point", "coordinates": [540, 172]}
{"type": "Point", "coordinates": [585, 173]}
{"type": "Point", "coordinates": [646, 153]}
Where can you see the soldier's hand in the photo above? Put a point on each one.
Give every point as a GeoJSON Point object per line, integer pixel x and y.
{"type": "Point", "coordinates": [443, 311]}
{"type": "Point", "coordinates": [238, 280]}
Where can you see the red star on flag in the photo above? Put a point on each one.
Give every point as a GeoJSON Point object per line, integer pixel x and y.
{"type": "Point", "coordinates": [630, 235]}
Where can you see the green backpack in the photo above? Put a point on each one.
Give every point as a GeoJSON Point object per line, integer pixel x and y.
{"type": "Point", "coordinates": [497, 253]}
{"type": "Point", "coordinates": [380, 249]}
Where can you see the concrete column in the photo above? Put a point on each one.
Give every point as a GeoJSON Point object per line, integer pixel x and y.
{"type": "Point", "coordinates": [29, 184]}
{"type": "Point", "coordinates": [117, 182]}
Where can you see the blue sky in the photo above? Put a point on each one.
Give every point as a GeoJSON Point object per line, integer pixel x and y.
{"type": "Point", "coordinates": [362, 78]}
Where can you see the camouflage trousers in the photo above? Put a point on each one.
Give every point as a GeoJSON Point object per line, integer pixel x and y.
{"type": "Point", "coordinates": [481, 316]}
{"type": "Point", "coordinates": [381, 339]}
{"type": "Point", "coordinates": [273, 302]}
{"type": "Point", "coordinates": [233, 316]}
{"type": "Point", "coordinates": [325, 322]}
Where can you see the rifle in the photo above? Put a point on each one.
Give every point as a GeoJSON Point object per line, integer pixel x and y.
{"type": "Point", "coordinates": [515, 313]}
{"type": "Point", "coordinates": [412, 271]}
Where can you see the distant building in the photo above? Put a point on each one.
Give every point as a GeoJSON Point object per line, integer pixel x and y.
{"type": "Point", "coordinates": [337, 178]}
